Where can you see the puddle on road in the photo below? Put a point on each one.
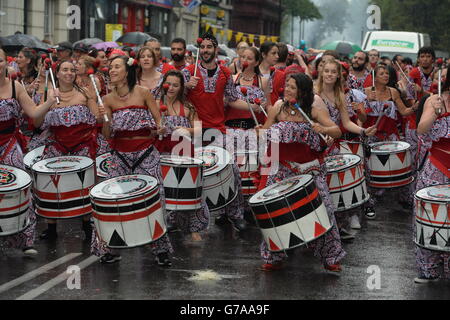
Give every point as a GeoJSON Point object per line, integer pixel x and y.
{"type": "Point", "coordinates": [207, 275]}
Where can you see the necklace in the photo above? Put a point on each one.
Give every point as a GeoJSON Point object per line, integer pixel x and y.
{"type": "Point", "coordinates": [124, 97]}
{"type": "Point", "coordinates": [247, 79]}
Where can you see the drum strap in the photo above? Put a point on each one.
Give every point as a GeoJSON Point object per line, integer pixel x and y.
{"type": "Point", "coordinates": [138, 162]}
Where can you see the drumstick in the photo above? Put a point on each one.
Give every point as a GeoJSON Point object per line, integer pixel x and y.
{"type": "Point", "coordinates": [258, 102]}
{"type": "Point", "coordinates": [373, 79]}
{"type": "Point", "coordinates": [90, 72]}
{"type": "Point", "coordinates": [403, 73]}
{"type": "Point", "coordinates": [244, 92]}
{"type": "Point", "coordinates": [199, 42]}
{"type": "Point", "coordinates": [294, 102]}
{"type": "Point", "coordinates": [440, 62]}
{"type": "Point", "coordinates": [50, 70]}
{"type": "Point", "coordinates": [163, 110]}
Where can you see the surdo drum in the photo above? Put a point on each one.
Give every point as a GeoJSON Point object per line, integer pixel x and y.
{"type": "Point", "coordinates": [14, 200]}
{"type": "Point", "coordinates": [390, 165]}
{"type": "Point", "coordinates": [352, 147]}
{"type": "Point", "coordinates": [433, 218]}
{"type": "Point", "coordinates": [62, 185]}
{"type": "Point", "coordinates": [290, 213]}
{"type": "Point", "coordinates": [248, 164]}
{"type": "Point", "coordinates": [32, 157]}
{"type": "Point", "coordinates": [183, 182]}
{"type": "Point", "coordinates": [103, 163]}
{"type": "Point", "coordinates": [128, 211]}
{"type": "Point", "coordinates": [219, 183]}
{"type": "Point", "coordinates": [346, 181]}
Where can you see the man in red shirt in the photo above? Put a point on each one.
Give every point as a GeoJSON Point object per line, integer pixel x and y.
{"type": "Point", "coordinates": [359, 72]}
{"type": "Point", "coordinates": [423, 75]}
{"type": "Point", "coordinates": [155, 45]}
{"type": "Point", "coordinates": [207, 91]}
{"type": "Point", "coordinates": [178, 53]}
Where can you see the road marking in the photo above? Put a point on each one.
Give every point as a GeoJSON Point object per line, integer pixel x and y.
{"type": "Point", "coordinates": [37, 272]}
{"type": "Point", "coordinates": [30, 295]}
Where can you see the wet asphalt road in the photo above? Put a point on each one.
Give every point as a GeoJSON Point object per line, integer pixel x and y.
{"type": "Point", "coordinates": [385, 242]}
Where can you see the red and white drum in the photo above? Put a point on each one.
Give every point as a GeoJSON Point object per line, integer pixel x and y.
{"type": "Point", "coordinates": [433, 218]}
{"type": "Point", "coordinates": [390, 165]}
{"type": "Point", "coordinates": [128, 211]}
{"type": "Point", "coordinates": [103, 163]}
{"type": "Point", "coordinates": [291, 213]}
{"type": "Point", "coordinates": [346, 181]}
{"type": "Point", "coordinates": [352, 147]}
{"type": "Point", "coordinates": [219, 188]}
{"type": "Point", "coordinates": [32, 157]}
{"type": "Point", "coordinates": [61, 187]}
{"type": "Point", "coordinates": [14, 200]}
{"type": "Point", "coordinates": [183, 182]}
{"type": "Point", "coordinates": [248, 164]}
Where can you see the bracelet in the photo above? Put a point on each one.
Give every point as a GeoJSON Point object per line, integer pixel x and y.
{"type": "Point", "coordinates": [363, 132]}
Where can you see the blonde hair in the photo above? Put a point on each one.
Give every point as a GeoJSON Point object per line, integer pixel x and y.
{"type": "Point", "coordinates": [339, 96]}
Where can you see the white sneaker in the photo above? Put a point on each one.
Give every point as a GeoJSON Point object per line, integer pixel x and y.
{"type": "Point", "coordinates": [354, 223]}
{"type": "Point", "coordinates": [421, 280]}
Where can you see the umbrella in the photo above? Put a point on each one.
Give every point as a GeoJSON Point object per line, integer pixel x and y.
{"type": "Point", "coordinates": [105, 45]}
{"type": "Point", "coordinates": [342, 47]}
{"type": "Point", "coordinates": [25, 40]}
{"type": "Point", "coordinates": [88, 41]}
{"type": "Point", "coordinates": [137, 38]}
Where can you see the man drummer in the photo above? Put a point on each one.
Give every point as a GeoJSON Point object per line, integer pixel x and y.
{"type": "Point", "coordinates": [207, 86]}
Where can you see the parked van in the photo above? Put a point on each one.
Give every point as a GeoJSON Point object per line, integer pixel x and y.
{"type": "Point", "coordinates": [390, 43]}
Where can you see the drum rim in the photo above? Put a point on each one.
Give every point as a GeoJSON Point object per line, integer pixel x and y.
{"type": "Point", "coordinates": [345, 168]}
{"type": "Point", "coordinates": [163, 160]}
{"type": "Point", "coordinates": [416, 197]}
{"type": "Point", "coordinates": [124, 198]}
{"type": "Point", "coordinates": [63, 172]}
{"type": "Point", "coordinates": [28, 153]}
{"type": "Point", "coordinates": [21, 188]}
{"type": "Point", "coordinates": [99, 161]}
{"type": "Point", "coordinates": [388, 152]}
{"type": "Point", "coordinates": [285, 195]}
{"type": "Point", "coordinates": [223, 165]}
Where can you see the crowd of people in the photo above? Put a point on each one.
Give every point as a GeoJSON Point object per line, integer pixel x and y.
{"type": "Point", "coordinates": [274, 89]}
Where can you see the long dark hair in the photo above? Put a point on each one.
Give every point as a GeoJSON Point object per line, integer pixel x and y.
{"type": "Point", "coordinates": [258, 58]}
{"type": "Point", "coordinates": [265, 49]}
{"type": "Point", "coordinates": [131, 77]}
{"type": "Point", "coordinates": [138, 57]}
{"type": "Point", "coordinates": [305, 93]}
{"type": "Point", "coordinates": [31, 71]}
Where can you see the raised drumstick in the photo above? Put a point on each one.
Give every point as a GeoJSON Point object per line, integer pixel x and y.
{"type": "Point", "coordinates": [91, 72]}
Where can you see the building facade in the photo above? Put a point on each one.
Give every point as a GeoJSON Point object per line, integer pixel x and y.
{"type": "Point", "coordinates": [45, 19]}
{"type": "Point", "coordinates": [216, 14]}
{"type": "Point", "coordinates": [187, 24]}
{"type": "Point", "coordinates": [257, 16]}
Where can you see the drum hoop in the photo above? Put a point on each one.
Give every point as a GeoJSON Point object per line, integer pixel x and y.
{"type": "Point", "coordinates": [195, 162]}
{"type": "Point", "coordinates": [124, 198]}
{"type": "Point", "coordinates": [63, 172]}
{"type": "Point", "coordinates": [347, 167]}
{"type": "Point", "coordinates": [21, 188]}
{"type": "Point", "coordinates": [432, 201]}
{"type": "Point", "coordinates": [223, 151]}
{"type": "Point", "coordinates": [284, 195]}
{"type": "Point", "coordinates": [389, 152]}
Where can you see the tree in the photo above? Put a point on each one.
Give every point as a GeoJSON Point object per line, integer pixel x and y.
{"type": "Point", "coordinates": [429, 16]}
{"type": "Point", "coordinates": [304, 9]}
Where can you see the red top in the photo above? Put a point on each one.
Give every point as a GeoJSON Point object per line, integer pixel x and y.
{"type": "Point", "coordinates": [279, 81]}
{"type": "Point", "coordinates": [166, 68]}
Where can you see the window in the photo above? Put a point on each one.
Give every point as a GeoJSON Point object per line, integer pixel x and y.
{"type": "Point", "coordinates": [49, 14]}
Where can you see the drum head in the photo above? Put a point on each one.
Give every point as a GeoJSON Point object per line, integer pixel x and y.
{"type": "Point", "coordinates": [282, 189]}
{"type": "Point", "coordinates": [103, 163]}
{"type": "Point", "coordinates": [180, 161]}
{"type": "Point", "coordinates": [342, 162]}
{"type": "Point", "coordinates": [215, 159]}
{"type": "Point", "coordinates": [13, 179]}
{"type": "Point", "coordinates": [33, 156]}
{"type": "Point", "coordinates": [124, 187]}
{"type": "Point", "coordinates": [389, 147]}
{"type": "Point", "coordinates": [440, 193]}
{"type": "Point", "coordinates": [62, 164]}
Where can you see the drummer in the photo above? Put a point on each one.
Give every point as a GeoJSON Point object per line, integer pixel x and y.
{"type": "Point", "coordinates": [389, 100]}
{"type": "Point", "coordinates": [13, 100]}
{"type": "Point", "coordinates": [435, 125]}
{"type": "Point", "coordinates": [72, 128]}
{"type": "Point", "coordinates": [135, 122]}
{"type": "Point", "coordinates": [330, 89]}
{"type": "Point", "coordinates": [180, 119]}
{"type": "Point", "coordinates": [287, 124]}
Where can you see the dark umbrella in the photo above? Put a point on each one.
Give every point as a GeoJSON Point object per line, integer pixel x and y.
{"type": "Point", "coordinates": [137, 38]}
{"type": "Point", "coordinates": [342, 47]}
{"type": "Point", "coordinates": [89, 41]}
{"type": "Point", "coordinates": [25, 40]}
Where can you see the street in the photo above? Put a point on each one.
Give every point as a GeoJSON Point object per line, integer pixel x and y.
{"type": "Point", "coordinates": [233, 261]}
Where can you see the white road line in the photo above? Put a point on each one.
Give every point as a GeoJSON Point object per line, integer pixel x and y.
{"type": "Point", "coordinates": [30, 295]}
{"type": "Point", "coordinates": [37, 272]}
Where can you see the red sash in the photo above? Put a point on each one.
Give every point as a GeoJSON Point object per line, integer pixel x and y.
{"type": "Point", "coordinates": [132, 145]}
{"type": "Point", "coordinates": [74, 138]}
{"type": "Point", "coordinates": [386, 127]}
{"type": "Point", "coordinates": [11, 138]}
{"type": "Point", "coordinates": [439, 158]}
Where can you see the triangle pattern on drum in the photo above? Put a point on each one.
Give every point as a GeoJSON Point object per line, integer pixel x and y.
{"type": "Point", "coordinates": [341, 201]}
{"type": "Point", "coordinates": [448, 243]}
{"type": "Point", "coordinates": [294, 240]}
{"type": "Point", "coordinates": [421, 239]}
{"type": "Point", "coordinates": [329, 179]}
{"type": "Point", "coordinates": [319, 230]}
{"type": "Point", "coordinates": [179, 173]}
{"type": "Point", "coordinates": [81, 175]}
{"type": "Point", "coordinates": [158, 232]}
{"type": "Point", "coordinates": [433, 240]}
{"type": "Point", "coordinates": [354, 198]}
{"type": "Point", "coordinates": [194, 173]}
{"type": "Point", "coordinates": [1, 230]}
{"type": "Point", "coordinates": [116, 240]}
{"type": "Point", "coordinates": [55, 180]}
{"type": "Point", "coordinates": [165, 170]}
{"type": "Point", "coordinates": [354, 147]}
{"type": "Point", "coordinates": [402, 156]}
{"type": "Point", "coordinates": [435, 209]}
{"type": "Point", "coordinates": [3, 195]}
{"type": "Point", "coordinates": [273, 246]}
{"type": "Point", "coordinates": [230, 194]}
{"type": "Point", "coordinates": [353, 171]}
{"type": "Point", "coordinates": [341, 176]}
{"type": "Point", "coordinates": [383, 158]}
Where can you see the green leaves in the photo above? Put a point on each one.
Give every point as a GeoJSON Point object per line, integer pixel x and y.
{"type": "Point", "coordinates": [304, 9]}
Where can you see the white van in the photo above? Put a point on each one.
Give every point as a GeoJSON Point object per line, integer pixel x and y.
{"type": "Point", "coordinates": [390, 43]}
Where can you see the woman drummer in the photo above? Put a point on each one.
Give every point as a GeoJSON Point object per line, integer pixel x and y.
{"type": "Point", "coordinates": [387, 100]}
{"type": "Point", "coordinates": [135, 122]}
{"type": "Point", "coordinates": [330, 88]}
{"type": "Point", "coordinates": [72, 128]}
{"type": "Point", "coordinates": [180, 119]}
{"type": "Point", "coordinates": [435, 125]}
{"type": "Point", "coordinates": [286, 125]}
{"type": "Point", "coordinates": [13, 100]}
